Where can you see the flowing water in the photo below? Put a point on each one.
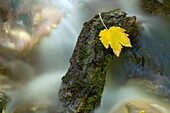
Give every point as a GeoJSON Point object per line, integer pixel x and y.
{"type": "Point", "coordinates": [49, 61]}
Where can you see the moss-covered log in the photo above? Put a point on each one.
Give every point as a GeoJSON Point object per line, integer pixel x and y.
{"type": "Point", "coordinates": [83, 84]}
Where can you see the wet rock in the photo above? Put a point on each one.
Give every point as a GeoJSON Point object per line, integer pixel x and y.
{"type": "Point", "coordinates": [138, 109]}
{"type": "Point", "coordinates": [148, 61]}
{"type": "Point", "coordinates": [156, 7]}
{"type": "Point", "coordinates": [147, 73]}
{"type": "Point", "coordinates": [3, 101]}
{"type": "Point", "coordinates": [83, 84]}
{"type": "Point", "coordinates": [140, 105]}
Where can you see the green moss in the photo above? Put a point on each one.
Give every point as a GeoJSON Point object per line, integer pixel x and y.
{"type": "Point", "coordinates": [3, 101]}
{"type": "Point", "coordinates": [91, 42]}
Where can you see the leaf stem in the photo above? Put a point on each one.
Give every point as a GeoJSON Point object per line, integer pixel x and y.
{"type": "Point", "coordinates": [102, 21]}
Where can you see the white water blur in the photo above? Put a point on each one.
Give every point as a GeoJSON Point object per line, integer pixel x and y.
{"type": "Point", "coordinates": [51, 56]}
{"type": "Point", "coordinates": [38, 93]}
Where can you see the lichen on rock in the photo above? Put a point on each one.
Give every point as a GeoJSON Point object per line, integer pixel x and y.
{"type": "Point", "coordinates": [83, 84]}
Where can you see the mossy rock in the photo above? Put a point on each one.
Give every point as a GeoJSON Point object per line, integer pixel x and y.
{"type": "Point", "coordinates": [83, 84]}
{"type": "Point", "coordinates": [3, 101]}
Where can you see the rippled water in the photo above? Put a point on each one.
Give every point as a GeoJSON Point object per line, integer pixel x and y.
{"type": "Point", "coordinates": [49, 60]}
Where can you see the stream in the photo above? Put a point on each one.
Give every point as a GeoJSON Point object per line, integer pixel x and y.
{"type": "Point", "coordinates": [36, 79]}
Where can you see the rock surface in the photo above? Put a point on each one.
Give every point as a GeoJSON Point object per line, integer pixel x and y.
{"type": "Point", "coordinates": [83, 84]}
{"type": "Point", "coordinates": [139, 105]}
{"type": "Point", "coordinates": [156, 7]}
{"type": "Point", "coordinates": [3, 101]}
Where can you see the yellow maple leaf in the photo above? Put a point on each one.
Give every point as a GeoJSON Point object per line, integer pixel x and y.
{"type": "Point", "coordinates": [142, 111]}
{"type": "Point", "coordinates": [116, 38]}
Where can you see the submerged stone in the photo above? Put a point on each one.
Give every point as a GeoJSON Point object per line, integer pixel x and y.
{"type": "Point", "coordinates": [147, 63]}
{"type": "Point", "coordinates": [139, 105]}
